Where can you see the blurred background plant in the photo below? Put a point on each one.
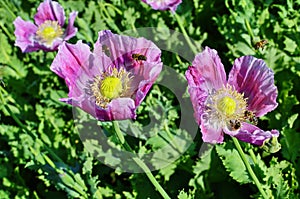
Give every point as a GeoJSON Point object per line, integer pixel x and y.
{"type": "Point", "coordinates": [42, 156]}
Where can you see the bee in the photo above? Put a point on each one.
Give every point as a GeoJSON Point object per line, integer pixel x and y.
{"type": "Point", "coordinates": [106, 50]}
{"type": "Point", "coordinates": [235, 125]}
{"type": "Point", "coordinates": [261, 44]}
{"type": "Point", "coordinates": [250, 116]}
{"type": "Point", "coordinates": [139, 57]}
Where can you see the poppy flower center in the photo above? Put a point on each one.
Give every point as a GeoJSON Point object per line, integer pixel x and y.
{"type": "Point", "coordinates": [111, 87]}
{"type": "Point", "coordinates": [227, 105]}
{"type": "Point", "coordinates": [48, 32]}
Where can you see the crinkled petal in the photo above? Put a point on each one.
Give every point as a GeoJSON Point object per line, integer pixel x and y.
{"type": "Point", "coordinates": [254, 135]}
{"type": "Point", "coordinates": [211, 129]}
{"type": "Point", "coordinates": [117, 109]}
{"type": "Point", "coordinates": [163, 4]}
{"type": "Point", "coordinates": [252, 77]}
{"type": "Point", "coordinates": [53, 47]}
{"type": "Point", "coordinates": [197, 90]}
{"type": "Point", "coordinates": [50, 10]}
{"type": "Point", "coordinates": [69, 60]}
{"type": "Point", "coordinates": [210, 67]}
{"type": "Point", "coordinates": [121, 109]}
{"type": "Point", "coordinates": [71, 30]}
{"type": "Point", "coordinates": [149, 73]}
{"type": "Point", "coordinates": [82, 102]}
{"type": "Point", "coordinates": [120, 50]}
{"type": "Point", "coordinates": [78, 66]}
{"type": "Point", "coordinates": [24, 32]}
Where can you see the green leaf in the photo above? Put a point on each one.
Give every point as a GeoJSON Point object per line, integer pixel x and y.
{"type": "Point", "coordinates": [88, 165]}
{"type": "Point", "coordinates": [16, 68]}
{"type": "Point", "coordinates": [233, 163]}
{"type": "Point", "coordinates": [85, 32]}
{"type": "Point", "coordinates": [131, 15]}
{"type": "Point", "coordinates": [183, 195]}
{"type": "Point", "coordinates": [129, 195]}
{"type": "Point", "coordinates": [4, 194]}
{"type": "Point", "coordinates": [281, 177]}
{"type": "Point", "coordinates": [290, 45]}
{"type": "Point", "coordinates": [5, 50]}
{"type": "Point", "coordinates": [111, 11]}
{"type": "Point", "coordinates": [290, 144]}
{"type": "Point", "coordinates": [168, 171]}
{"type": "Point", "coordinates": [292, 119]}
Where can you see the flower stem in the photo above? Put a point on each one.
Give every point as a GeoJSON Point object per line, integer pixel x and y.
{"type": "Point", "coordinates": [114, 7]}
{"type": "Point", "coordinates": [249, 29]}
{"type": "Point", "coordinates": [107, 16]}
{"type": "Point", "coordinates": [193, 47]}
{"type": "Point", "coordinates": [252, 156]}
{"type": "Point", "coordinates": [139, 162]}
{"type": "Point", "coordinates": [121, 137]}
{"type": "Point", "coordinates": [250, 171]}
{"type": "Point", "coordinates": [9, 10]}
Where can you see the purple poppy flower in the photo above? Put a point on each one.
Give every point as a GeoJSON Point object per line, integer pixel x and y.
{"type": "Point", "coordinates": [111, 82]}
{"type": "Point", "coordinates": [163, 4]}
{"type": "Point", "coordinates": [48, 31]}
{"type": "Point", "coordinates": [231, 106]}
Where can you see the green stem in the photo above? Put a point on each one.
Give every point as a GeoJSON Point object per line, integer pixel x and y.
{"type": "Point", "coordinates": [175, 145]}
{"type": "Point", "coordinates": [178, 59]}
{"type": "Point", "coordinates": [251, 172]}
{"type": "Point", "coordinates": [249, 29]}
{"type": "Point", "coordinates": [108, 17]}
{"type": "Point", "coordinates": [8, 9]}
{"type": "Point", "coordinates": [252, 156]}
{"type": "Point", "coordinates": [11, 37]}
{"type": "Point", "coordinates": [113, 7]}
{"type": "Point", "coordinates": [187, 38]}
{"type": "Point", "coordinates": [121, 137]}
{"type": "Point", "coordinates": [139, 162]}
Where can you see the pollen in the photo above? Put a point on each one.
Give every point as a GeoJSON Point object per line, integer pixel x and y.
{"type": "Point", "coordinates": [48, 32]}
{"type": "Point", "coordinates": [110, 85]}
{"type": "Point", "coordinates": [227, 105]}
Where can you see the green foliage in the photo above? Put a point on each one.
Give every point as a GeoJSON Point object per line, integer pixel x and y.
{"type": "Point", "coordinates": [45, 153]}
{"type": "Point", "coordinates": [233, 163]}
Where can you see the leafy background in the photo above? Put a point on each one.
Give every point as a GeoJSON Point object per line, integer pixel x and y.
{"type": "Point", "coordinates": [42, 155]}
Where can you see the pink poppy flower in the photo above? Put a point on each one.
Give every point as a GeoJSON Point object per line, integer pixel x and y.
{"type": "Point", "coordinates": [163, 4]}
{"type": "Point", "coordinates": [110, 82]}
{"type": "Point", "coordinates": [231, 106]}
{"type": "Point", "coordinates": [48, 32]}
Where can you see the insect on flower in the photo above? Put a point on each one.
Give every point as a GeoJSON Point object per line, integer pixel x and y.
{"type": "Point", "coordinates": [108, 87]}
{"type": "Point", "coordinates": [231, 106]}
{"type": "Point", "coordinates": [250, 116]}
{"type": "Point", "coordinates": [139, 57]}
{"type": "Point", "coordinates": [261, 44]}
{"type": "Point", "coordinates": [235, 124]}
